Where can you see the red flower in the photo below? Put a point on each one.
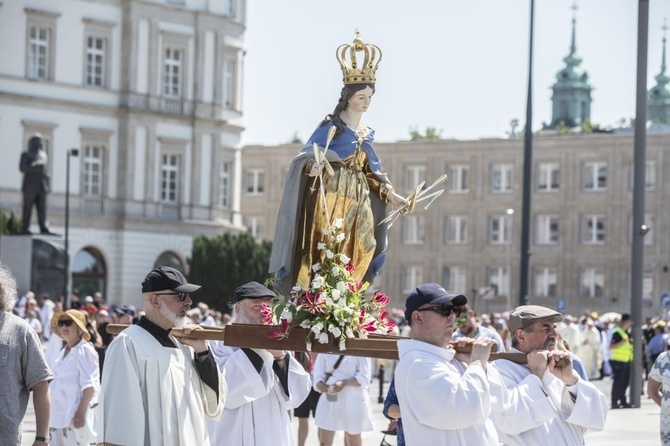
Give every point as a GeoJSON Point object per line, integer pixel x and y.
{"type": "Point", "coordinates": [266, 312]}
{"type": "Point", "coordinates": [281, 332]}
{"type": "Point", "coordinates": [313, 303]}
{"type": "Point", "coordinates": [349, 267]}
{"type": "Point", "coordinates": [380, 299]}
{"type": "Point", "coordinates": [355, 287]}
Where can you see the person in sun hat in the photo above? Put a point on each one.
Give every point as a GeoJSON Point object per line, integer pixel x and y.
{"type": "Point", "coordinates": [176, 381]}
{"type": "Point", "coordinates": [263, 385]}
{"type": "Point", "coordinates": [444, 397]}
{"type": "Point", "coordinates": [546, 399]}
{"type": "Point", "coordinates": [76, 384]}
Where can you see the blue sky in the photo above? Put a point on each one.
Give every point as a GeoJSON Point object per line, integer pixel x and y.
{"type": "Point", "coordinates": [459, 66]}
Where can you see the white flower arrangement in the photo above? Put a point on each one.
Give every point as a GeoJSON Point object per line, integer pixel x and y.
{"type": "Point", "coordinates": [334, 304]}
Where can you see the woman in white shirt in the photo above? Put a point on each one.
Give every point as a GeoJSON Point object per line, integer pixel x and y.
{"type": "Point", "coordinates": [76, 384]}
{"type": "Point", "coordinates": [346, 405]}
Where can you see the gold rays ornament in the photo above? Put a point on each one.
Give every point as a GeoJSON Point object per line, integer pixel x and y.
{"type": "Point", "coordinates": [417, 195]}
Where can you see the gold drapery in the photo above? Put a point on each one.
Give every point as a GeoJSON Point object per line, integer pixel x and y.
{"type": "Point", "coordinates": [347, 197]}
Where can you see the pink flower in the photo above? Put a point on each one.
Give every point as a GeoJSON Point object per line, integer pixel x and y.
{"type": "Point", "coordinates": [349, 267]}
{"type": "Point", "coordinates": [281, 332]}
{"type": "Point", "coordinates": [380, 299]}
{"type": "Point", "coordinates": [355, 287]}
{"type": "Point", "coordinates": [313, 303]}
{"type": "Point", "coordinates": [266, 312]}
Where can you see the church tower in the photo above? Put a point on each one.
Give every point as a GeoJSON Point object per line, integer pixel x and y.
{"type": "Point", "coordinates": [659, 96]}
{"type": "Point", "coordinates": [572, 91]}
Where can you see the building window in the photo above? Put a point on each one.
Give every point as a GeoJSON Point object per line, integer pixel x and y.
{"type": "Point", "coordinates": [594, 176]}
{"type": "Point", "coordinates": [649, 176]}
{"type": "Point", "coordinates": [96, 48]}
{"type": "Point", "coordinates": [593, 229]}
{"type": "Point", "coordinates": [232, 8]}
{"type": "Point", "coordinates": [456, 229]}
{"type": "Point", "coordinates": [89, 272]}
{"type": "Point", "coordinates": [229, 83]}
{"type": "Point", "coordinates": [172, 82]}
{"type": "Point", "coordinates": [592, 282]}
{"type": "Point", "coordinates": [253, 225]}
{"type": "Point", "coordinates": [410, 278]}
{"type": "Point", "coordinates": [501, 178]}
{"type": "Point", "coordinates": [413, 176]}
{"type": "Point", "coordinates": [548, 177]}
{"type": "Point", "coordinates": [170, 179]}
{"type": "Point", "coordinates": [499, 229]}
{"type": "Point", "coordinates": [498, 278]}
{"type": "Point", "coordinates": [546, 229]}
{"type": "Point", "coordinates": [92, 184]}
{"type": "Point", "coordinates": [255, 182]}
{"type": "Point", "coordinates": [455, 279]}
{"type": "Point", "coordinates": [412, 229]}
{"type": "Point", "coordinates": [545, 282]}
{"type": "Point", "coordinates": [457, 179]}
{"type": "Point", "coordinates": [39, 52]}
{"type": "Point", "coordinates": [224, 192]}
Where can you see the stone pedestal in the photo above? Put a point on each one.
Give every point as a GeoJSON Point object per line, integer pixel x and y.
{"type": "Point", "coordinates": [37, 261]}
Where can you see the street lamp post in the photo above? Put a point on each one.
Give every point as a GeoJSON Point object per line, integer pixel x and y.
{"type": "Point", "coordinates": [510, 214]}
{"type": "Point", "coordinates": [66, 291]}
{"type": "Point", "coordinates": [527, 170]}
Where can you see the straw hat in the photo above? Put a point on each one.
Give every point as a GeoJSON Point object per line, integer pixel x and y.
{"type": "Point", "coordinates": [78, 318]}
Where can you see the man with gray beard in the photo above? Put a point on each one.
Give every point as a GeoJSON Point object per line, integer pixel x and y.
{"type": "Point", "coordinates": [546, 401]}
{"type": "Point", "coordinates": [263, 385]}
{"type": "Point", "coordinates": [156, 389]}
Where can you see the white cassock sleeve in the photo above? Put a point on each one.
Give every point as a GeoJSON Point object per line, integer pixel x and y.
{"type": "Point", "coordinates": [121, 394]}
{"type": "Point", "coordinates": [245, 384]}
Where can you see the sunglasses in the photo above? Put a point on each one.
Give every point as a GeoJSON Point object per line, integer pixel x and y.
{"type": "Point", "coordinates": [444, 310]}
{"type": "Point", "coordinates": [181, 296]}
{"type": "Point", "coordinates": [461, 321]}
{"type": "Point", "coordinates": [65, 323]}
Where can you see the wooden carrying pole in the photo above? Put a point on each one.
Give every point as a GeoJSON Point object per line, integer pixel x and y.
{"type": "Point", "coordinates": [256, 336]}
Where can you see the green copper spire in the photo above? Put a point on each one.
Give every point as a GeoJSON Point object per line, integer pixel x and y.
{"type": "Point", "coordinates": [572, 91]}
{"type": "Point", "coordinates": [659, 96]}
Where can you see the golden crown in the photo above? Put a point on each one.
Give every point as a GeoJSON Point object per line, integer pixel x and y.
{"type": "Point", "coordinates": [350, 71]}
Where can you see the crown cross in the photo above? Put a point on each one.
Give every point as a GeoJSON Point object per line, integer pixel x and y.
{"type": "Point", "coordinates": [347, 57]}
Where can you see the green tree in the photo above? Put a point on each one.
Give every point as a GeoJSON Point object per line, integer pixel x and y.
{"type": "Point", "coordinates": [562, 128]}
{"type": "Point", "coordinates": [586, 126]}
{"type": "Point", "coordinates": [431, 134]}
{"type": "Point", "coordinates": [9, 224]}
{"type": "Point", "coordinates": [223, 262]}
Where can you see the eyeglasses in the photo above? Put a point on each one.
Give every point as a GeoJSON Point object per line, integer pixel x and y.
{"type": "Point", "coordinates": [65, 322]}
{"type": "Point", "coordinates": [461, 321]}
{"type": "Point", "coordinates": [444, 310]}
{"type": "Point", "coordinates": [181, 296]}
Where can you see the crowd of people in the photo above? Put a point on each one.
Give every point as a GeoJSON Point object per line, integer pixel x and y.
{"type": "Point", "coordinates": [204, 392]}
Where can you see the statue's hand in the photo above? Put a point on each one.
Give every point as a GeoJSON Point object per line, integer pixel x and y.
{"type": "Point", "coordinates": [396, 200]}
{"type": "Point", "coordinates": [317, 169]}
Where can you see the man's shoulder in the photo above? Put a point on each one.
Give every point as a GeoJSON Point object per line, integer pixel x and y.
{"type": "Point", "coordinates": [12, 322]}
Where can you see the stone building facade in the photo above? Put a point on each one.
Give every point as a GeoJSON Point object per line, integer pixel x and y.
{"type": "Point", "coordinates": [149, 93]}
{"type": "Point", "coordinates": [469, 238]}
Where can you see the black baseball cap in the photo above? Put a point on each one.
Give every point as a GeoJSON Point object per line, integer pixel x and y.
{"type": "Point", "coordinates": [167, 278]}
{"type": "Point", "coordinates": [431, 293]}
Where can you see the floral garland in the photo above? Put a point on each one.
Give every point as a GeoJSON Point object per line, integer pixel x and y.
{"type": "Point", "coordinates": [333, 304]}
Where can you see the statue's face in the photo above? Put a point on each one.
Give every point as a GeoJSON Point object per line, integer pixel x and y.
{"type": "Point", "coordinates": [35, 144]}
{"type": "Point", "coordinates": [361, 100]}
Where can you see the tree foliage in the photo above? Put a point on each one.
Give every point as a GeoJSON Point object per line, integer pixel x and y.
{"type": "Point", "coordinates": [9, 224]}
{"type": "Point", "coordinates": [430, 134]}
{"type": "Point", "coordinates": [222, 263]}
